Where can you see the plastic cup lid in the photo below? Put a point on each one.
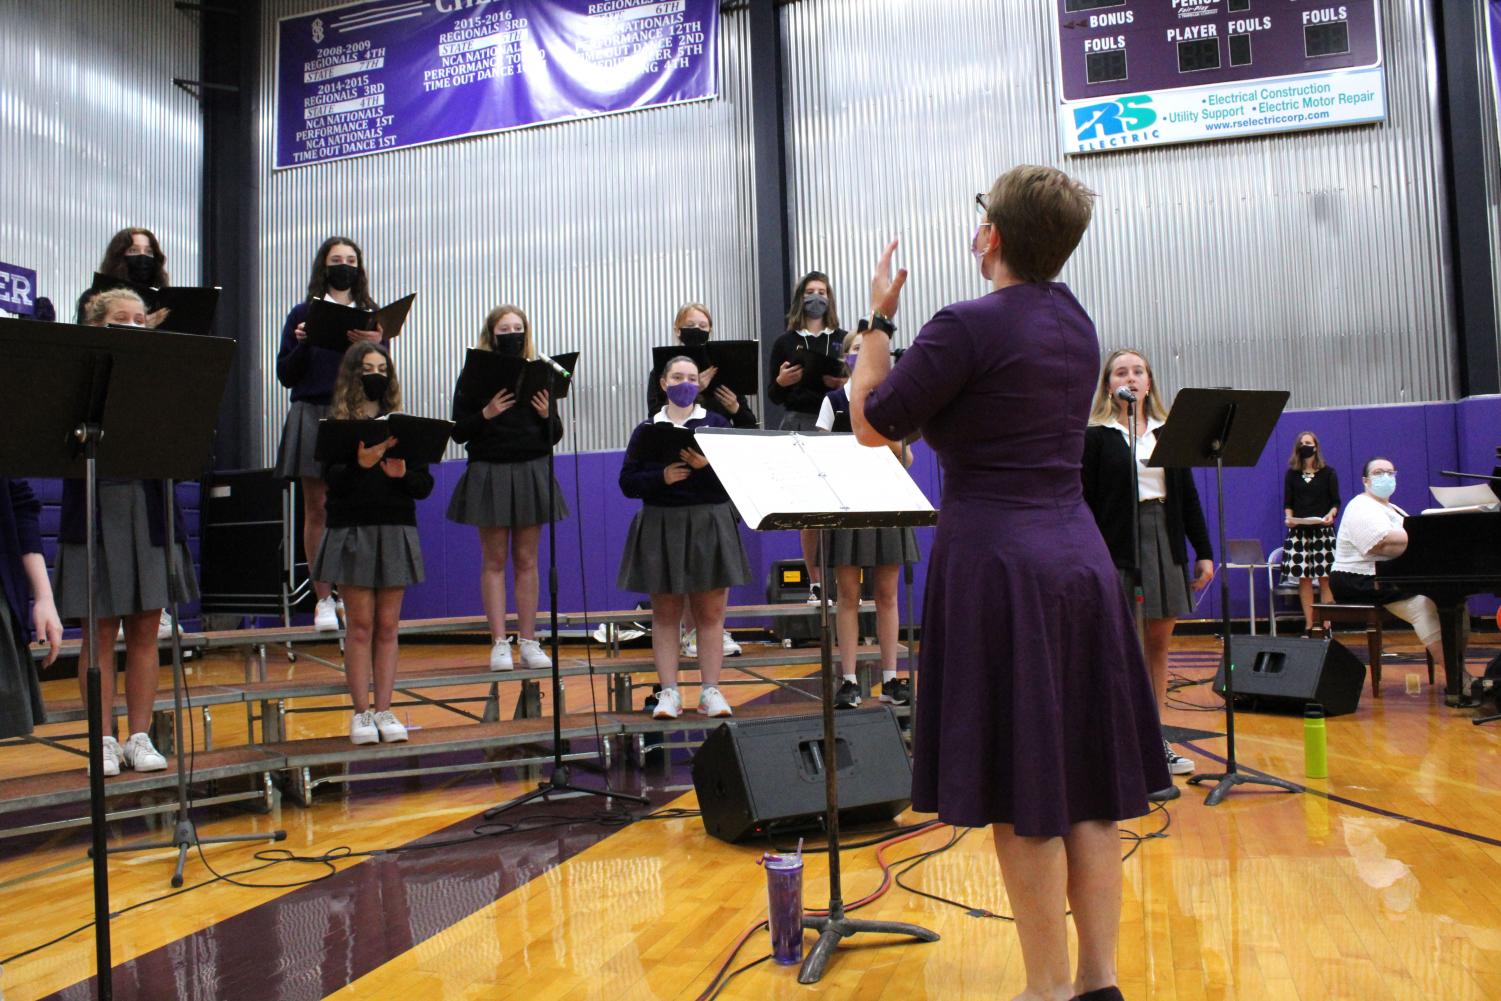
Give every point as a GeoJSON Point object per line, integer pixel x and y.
{"type": "Point", "coordinates": [774, 860]}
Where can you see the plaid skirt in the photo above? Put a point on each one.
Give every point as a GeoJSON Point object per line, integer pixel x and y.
{"type": "Point", "coordinates": [299, 440]}
{"type": "Point", "coordinates": [683, 550]}
{"type": "Point", "coordinates": [131, 575]}
{"type": "Point", "coordinates": [373, 556]}
{"type": "Point", "coordinates": [505, 495]}
{"type": "Point", "coordinates": [1308, 552]}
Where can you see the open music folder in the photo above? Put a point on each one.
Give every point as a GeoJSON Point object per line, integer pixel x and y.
{"type": "Point", "coordinates": [786, 479]}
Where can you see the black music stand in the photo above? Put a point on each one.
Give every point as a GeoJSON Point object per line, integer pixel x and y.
{"type": "Point", "coordinates": [560, 780]}
{"type": "Point", "coordinates": [1218, 428]}
{"type": "Point", "coordinates": [94, 406]}
{"type": "Point", "coordinates": [785, 480]}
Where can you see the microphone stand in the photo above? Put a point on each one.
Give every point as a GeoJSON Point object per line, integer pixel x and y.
{"type": "Point", "coordinates": [560, 779]}
{"type": "Point", "coordinates": [1138, 606]}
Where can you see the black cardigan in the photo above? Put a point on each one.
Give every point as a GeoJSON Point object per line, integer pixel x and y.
{"type": "Point", "coordinates": [1313, 499]}
{"type": "Point", "coordinates": [798, 397]}
{"type": "Point", "coordinates": [1107, 490]}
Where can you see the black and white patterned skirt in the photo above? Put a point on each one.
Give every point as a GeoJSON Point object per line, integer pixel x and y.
{"type": "Point", "coordinates": [505, 495]}
{"type": "Point", "coordinates": [683, 550]}
{"type": "Point", "coordinates": [1308, 552]}
{"type": "Point", "coordinates": [299, 440]}
{"type": "Point", "coordinates": [373, 556]}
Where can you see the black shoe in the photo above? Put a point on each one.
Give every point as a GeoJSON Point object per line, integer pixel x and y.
{"type": "Point", "coordinates": [1103, 994]}
{"type": "Point", "coordinates": [848, 696]}
{"type": "Point", "coordinates": [815, 594]}
{"type": "Point", "coordinates": [897, 691]}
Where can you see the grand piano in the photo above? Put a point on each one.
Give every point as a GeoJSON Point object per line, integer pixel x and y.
{"type": "Point", "coordinates": [1451, 557]}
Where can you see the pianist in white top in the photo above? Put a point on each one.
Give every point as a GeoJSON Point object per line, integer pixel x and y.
{"type": "Point", "coordinates": [1370, 531]}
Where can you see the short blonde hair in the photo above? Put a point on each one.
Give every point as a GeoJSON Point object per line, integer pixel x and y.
{"type": "Point", "coordinates": [1041, 214]}
{"type": "Point", "coordinates": [689, 307]}
{"type": "Point", "coordinates": [98, 306]}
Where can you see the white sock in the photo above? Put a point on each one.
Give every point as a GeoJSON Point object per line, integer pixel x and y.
{"type": "Point", "coordinates": [887, 677]}
{"type": "Point", "coordinates": [851, 679]}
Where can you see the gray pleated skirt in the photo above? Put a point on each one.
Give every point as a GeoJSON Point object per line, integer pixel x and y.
{"type": "Point", "coordinates": [1165, 587]}
{"type": "Point", "coordinates": [299, 440]}
{"type": "Point", "coordinates": [683, 550]}
{"type": "Point", "coordinates": [372, 556]}
{"type": "Point", "coordinates": [132, 573]}
{"type": "Point", "coordinates": [505, 495]}
{"type": "Point", "coordinates": [872, 547]}
{"type": "Point", "coordinates": [21, 708]}
{"type": "Point", "coordinates": [794, 421]}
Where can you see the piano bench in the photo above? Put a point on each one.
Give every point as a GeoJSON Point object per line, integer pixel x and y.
{"type": "Point", "coordinates": [1374, 618]}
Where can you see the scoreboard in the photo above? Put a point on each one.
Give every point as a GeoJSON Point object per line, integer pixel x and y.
{"type": "Point", "coordinates": [1145, 72]}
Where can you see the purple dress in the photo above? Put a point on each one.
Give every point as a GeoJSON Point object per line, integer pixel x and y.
{"type": "Point", "coordinates": [1034, 707]}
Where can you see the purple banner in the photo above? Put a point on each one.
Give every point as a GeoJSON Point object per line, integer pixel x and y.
{"type": "Point", "coordinates": [17, 289]}
{"type": "Point", "coordinates": [383, 75]}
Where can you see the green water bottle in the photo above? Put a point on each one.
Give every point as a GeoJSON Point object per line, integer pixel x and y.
{"type": "Point", "coordinates": [1315, 742]}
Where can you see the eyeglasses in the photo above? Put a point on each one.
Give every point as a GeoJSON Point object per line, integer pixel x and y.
{"type": "Point", "coordinates": [1383, 472]}
{"type": "Point", "coordinates": [981, 207]}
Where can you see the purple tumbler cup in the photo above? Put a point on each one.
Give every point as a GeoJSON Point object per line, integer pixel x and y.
{"type": "Point", "coordinates": [784, 893]}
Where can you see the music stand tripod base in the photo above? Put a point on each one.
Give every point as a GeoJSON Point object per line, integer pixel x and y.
{"type": "Point", "coordinates": [1225, 781]}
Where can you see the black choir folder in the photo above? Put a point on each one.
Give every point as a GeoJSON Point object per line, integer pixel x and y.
{"type": "Point", "coordinates": [487, 373]}
{"type": "Point", "coordinates": [739, 363]}
{"type": "Point", "coordinates": [418, 439]}
{"type": "Point", "coordinates": [329, 323]}
{"type": "Point", "coordinates": [190, 308]}
{"type": "Point", "coordinates": [816, 365]}
{"type": "Point", "coordinates": [661, 441]}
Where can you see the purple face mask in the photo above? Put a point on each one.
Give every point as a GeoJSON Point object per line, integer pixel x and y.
{"type": "Point", "coordinates": [682, 394]}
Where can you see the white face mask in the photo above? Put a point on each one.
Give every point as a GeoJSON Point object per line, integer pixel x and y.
{"type": "Point", "coordinates": [980, 252]}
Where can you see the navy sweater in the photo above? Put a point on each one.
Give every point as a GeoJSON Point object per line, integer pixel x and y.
{"type": "Point", "coordinates": [20, 533]}
{"type": "Point", "coordinates": [309, 372]}
{"type": "Point", "coordinates": [516, 435]}
{"type": "Point", "coordinates": [642, 478]}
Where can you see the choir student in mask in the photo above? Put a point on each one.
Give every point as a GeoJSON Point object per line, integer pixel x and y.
{"type": "Point", "coordinates": [693, 326]}
{"type": "Point", "coordinates": [812, 323]}
{"type": "Point", "coordinates": [338, 275]}
{"type": "Point", "coordinates": [130, 580]}
{"type": "Point", "coordinates": [682, 548]}
{"type": "Point", "coordinates": [133, 255]}
{"type": "Point", "coordinates": [371, 549]}
{"type": "Point", "coordinates": [504, 489]}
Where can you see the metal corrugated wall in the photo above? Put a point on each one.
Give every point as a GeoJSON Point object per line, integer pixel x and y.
{"type": "Point", "coordinates": [598, 228]}
{"type": "Point", "coordinates": [1314, 261]}
{"type": "Point", "coordinates": [96, 138]}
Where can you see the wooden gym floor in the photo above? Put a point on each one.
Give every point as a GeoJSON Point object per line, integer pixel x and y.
{"type": "Point", "coordinates": [1382, 882]}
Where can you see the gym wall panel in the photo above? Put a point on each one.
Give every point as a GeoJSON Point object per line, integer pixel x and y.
{"type": "Point", "coordinates": [1313, 261]}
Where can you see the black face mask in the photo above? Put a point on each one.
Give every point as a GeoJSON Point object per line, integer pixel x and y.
{"type": "Point", "coordinates": [375, 385]}
{"type": "Point", "coordinates": [341, 277]}
{"type": "Point", "coordinates": [693, 337]}
{"type": "Point", "coordinates": [141, 268]}
{"type": "Point", "coordinates": [510, 345]}
{"type": "Point", "coordinates": [1307, 451]}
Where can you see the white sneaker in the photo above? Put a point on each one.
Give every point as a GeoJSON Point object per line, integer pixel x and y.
{"type": "Point", "coordinates": [730, 647]}
{"type": "Point", "coordinates": [711, 702]}
{"type": "Point", "coordinates": [688, 645]}
{"type": "Point", "coordinates": [1177, 764]}
{"type": "Point", "coordinates": [111, 757]}
{"type": "Point", "coordinates": [391, 730]}
{"type": "Point", "coordinates": [669, 704]}
{"type": "Point", "coordinates": [532, 657]}
{"type": "Point", "coordinates": [164, 627]}
{"type": "Point", "coordinates": [500, 655]}
{"type": "Point", "coordinates": [362, 728]}
{"type": "Point", "coordinates": [326, 616]}
{"type": "Point", "coordinates": [142, 755]}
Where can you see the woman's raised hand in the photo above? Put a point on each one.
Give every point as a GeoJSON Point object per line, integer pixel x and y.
{"type": "Point", "coordinates": [885, 291]}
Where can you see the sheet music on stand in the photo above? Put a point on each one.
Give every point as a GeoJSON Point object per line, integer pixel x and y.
{"type": "Point", "coordinates": [786, 479]}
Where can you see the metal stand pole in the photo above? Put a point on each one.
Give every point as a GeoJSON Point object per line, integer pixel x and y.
{"type": "Point", "coordinates": [559, 780]}
{"type": "Point", "coordinates": [88, 439]}
{"type": "Point", "coordinates": [185, 835]}
{"type": "Point", "coordinates": [835, 926]}
{"type": "Point", "coordinates": [1230, 778]}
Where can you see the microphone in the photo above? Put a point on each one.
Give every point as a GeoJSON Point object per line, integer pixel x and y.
{"type": "Point", "coordinates": [554, 365]}
{"type": "Point", "coordinates": [1124, 393]}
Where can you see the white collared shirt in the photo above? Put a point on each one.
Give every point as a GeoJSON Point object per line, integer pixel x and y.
{"type": "Point", "coordinates": [698, 414]}
{"type": "Point", "coordinates": [1151, 482]}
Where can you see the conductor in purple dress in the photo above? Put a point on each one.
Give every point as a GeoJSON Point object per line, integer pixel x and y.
{"type": "Point", "coordinates": [1034, 710]}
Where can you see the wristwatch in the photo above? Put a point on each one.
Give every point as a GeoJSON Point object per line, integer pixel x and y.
{"type": "Point", "coordinates": [879, 321]}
